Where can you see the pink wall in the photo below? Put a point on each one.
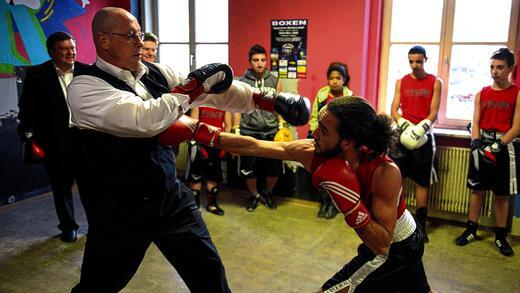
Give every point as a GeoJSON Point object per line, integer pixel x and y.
{"type": "Point", "coordinates": [346, 31]}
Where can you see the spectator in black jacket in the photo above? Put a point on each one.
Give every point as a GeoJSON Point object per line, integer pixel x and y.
{"type": "Point", "coordinates": [44, 121]}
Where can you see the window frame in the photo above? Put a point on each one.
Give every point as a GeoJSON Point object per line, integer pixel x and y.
{"type": "Point", "coordinates": [445, 44]}
{"type": "Point", "coordinates": [151, 20]}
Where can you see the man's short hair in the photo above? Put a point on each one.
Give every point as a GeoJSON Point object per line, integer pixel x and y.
{"type": "Point", "coordinates": [256, 49]}
{"type": "Point", "coordinates": [150, 37]}
{"type": "Point", "coordinates": [55, 38]}
{"type": "Point", "coordinates": [418, 50]}
{"type": "Point", "coordinates": [504, 54]}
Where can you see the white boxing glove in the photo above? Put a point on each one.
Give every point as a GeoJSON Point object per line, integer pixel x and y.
{"type": "Point", "coordinates": [410, 140]}
{"type": "Point", "coordinates": [403, 124]}
{"type": "Point", "coordinates": [422, 127]}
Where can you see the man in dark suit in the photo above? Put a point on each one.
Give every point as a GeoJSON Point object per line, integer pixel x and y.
{"type": "Point", "coordinates": [44, 121]}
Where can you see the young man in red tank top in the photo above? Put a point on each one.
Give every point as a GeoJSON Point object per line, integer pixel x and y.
{"type": "Point", "coordinates": [494, 150]}
{"type": "Point", "coordinates": [418, 96]}
{"type": "Point", "coordinates": [205, 161]}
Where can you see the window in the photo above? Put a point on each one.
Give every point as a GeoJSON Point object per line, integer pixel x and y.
{"type": "Point", "coordinates": [192, 33]}
{"type": "Point", "coordinates": [459, 37]}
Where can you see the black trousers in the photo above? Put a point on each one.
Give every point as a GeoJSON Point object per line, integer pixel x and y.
{"type": "Point", "coordinates": [402, 272]}
{"type": "Point", "coordinates": [60, 169]}
{"type": "Point", "coordinates": [122, 229]}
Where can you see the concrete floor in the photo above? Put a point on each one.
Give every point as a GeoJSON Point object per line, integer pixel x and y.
{"type": "Point", "coordinates": [287, 250]}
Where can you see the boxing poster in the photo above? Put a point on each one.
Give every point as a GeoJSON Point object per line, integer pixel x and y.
{"type": "Point", "coordinates": [289, 48]}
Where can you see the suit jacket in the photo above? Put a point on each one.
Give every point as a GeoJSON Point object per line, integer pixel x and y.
{"type": "Point", "coordinates": [43, 108]}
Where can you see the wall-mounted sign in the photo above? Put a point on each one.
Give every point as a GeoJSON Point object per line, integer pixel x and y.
{"type": "Point", "coordinates": [289, 48]}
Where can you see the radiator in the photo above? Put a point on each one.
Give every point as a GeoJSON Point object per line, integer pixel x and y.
{"type": "Point", "coordinates": [449, 198]}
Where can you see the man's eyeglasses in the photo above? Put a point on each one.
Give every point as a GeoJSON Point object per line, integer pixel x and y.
{"type": "Point", "coordinates": [131, 36]}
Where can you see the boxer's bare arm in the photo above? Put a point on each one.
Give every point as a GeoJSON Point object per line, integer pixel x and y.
{"type": "Point", "coordinates": [301, 150]}
{"type": "Point", "coordinates": [386, 188]}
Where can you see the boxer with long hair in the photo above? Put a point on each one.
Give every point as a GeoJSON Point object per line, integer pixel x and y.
{"type": "Point", "coordinates": [347, 158]}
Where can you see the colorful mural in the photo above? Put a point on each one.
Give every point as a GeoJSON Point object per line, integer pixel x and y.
{"type": "Point", "coordinates": [25, 25]}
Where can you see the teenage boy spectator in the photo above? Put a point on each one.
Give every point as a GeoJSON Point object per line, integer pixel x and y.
{"type": "Point", "coordinates": [205, 162]}
{"type": "Point", "coordinates": [493, 160]}
{"type": "Point", "coordinates": [417, 94]}
{"type": "Point", "coordinates": [261, 125]}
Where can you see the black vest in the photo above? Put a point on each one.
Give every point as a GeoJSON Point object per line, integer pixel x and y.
{"type": "Point", "coordinates": [128, 167]}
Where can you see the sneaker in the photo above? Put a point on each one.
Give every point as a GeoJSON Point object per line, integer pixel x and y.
{"type": "Point", "coordinates": [421, 214]}
{"type": "Point", "coordinates": [269, 201]}
{"type": "Point", "coordinates": [253, 203]}
{"type": "Point", "coordinates": [465, 238]}
{"type": "Point", "coordinates": [69, 236]}
{"type": "Point", "coordinates": [215, 209]}
{"type": "Point", "coordinates": [331, 211]}
{"type": "Point", "coordinates": [504, 247]}
{"type": "Point", "coordinates": [422, 227]}
{"type": "Point", "coordinates": [321, 212]}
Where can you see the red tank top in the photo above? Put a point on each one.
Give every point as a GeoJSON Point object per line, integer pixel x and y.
{"type": "Point", "coordinates": [497, 108]}
{"type": "Point", "coordinates": [211, 116]}
{"type": "Point", "coordinates": [416, 97]}
{"type": "Point", "coordinates": [364, 172]}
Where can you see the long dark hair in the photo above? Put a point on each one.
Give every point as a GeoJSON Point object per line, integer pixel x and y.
{"type": "Point", "coordinates": [360, 122]}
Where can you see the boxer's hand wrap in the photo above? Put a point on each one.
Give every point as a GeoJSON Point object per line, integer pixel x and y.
{"type": "Point", "coordinates": [213, 78]}
{"type": "Point", "coordinates": [187, 128]}
{"type": "Point", "coordinates": [341, 183]}
{"type": "Point", "coordinates": [294, 109]}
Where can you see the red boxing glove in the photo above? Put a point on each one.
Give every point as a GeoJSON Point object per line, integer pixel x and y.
{"type": "Point", "coordinates": [214, 78]}
{"type": "Point", "coordinates": [32, 153]}
{"type": "Point", "coordinates": [341, 183]}
{"type": "Point", "coordinates": [187, 128]}
{"type": "Point", "coordinates": [38, 152]}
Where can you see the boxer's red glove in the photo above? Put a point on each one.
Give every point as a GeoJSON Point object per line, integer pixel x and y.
{"type": "Point", "coordinates": [294, 109]}
{"type": "Point", "coordinates": [213, 78]}
{"type": "Point", "coordinates": [187, 128]}
{"type": "Point", "coordinates": [341, 183]}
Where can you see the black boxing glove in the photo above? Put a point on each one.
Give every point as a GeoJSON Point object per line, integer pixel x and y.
{"type": "Point", "coordinates": [475, 144]}
{"type": "Point", "coordinates": [294, 109]}
{"type": "Point", "coordinates": [213, 78]}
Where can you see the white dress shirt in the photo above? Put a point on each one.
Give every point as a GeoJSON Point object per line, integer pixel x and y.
{"type": "Point", "coordinates": [97, 105]}
{"type": "Point", "coordinates": [65, 78]}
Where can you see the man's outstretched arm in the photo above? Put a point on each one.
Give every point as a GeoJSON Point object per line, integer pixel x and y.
{"type": "Point", "coordinates": [187, 128]}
